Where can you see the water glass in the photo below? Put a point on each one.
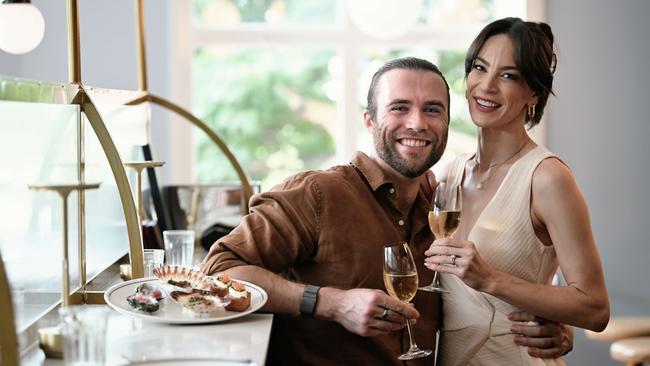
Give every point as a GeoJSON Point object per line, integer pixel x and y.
{"type": "Point", "coordinates": [179, 247]}
{"type": "Point", "coordinates": [152, 258]}
{"type": "Point", "coordinates": [84, 334]}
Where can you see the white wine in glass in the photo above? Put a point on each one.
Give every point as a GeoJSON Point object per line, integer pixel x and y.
{"type": "Point", "coordinates": [444, 219]}
{"type": "Point", "coordinates": [401, 281]}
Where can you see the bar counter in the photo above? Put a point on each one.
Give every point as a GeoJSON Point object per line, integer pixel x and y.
{"type": "Point", "coordinates": [242, 341]}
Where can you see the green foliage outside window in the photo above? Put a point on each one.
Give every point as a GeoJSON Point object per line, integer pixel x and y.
{"type": "Point", "coordinates": [293, 11]}
{"type": "Point", "coordinates": [258, 101]}
{"type": "Point", "coordinates": [452, 65]}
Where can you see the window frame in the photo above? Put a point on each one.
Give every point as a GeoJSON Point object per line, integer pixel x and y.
{"type": "Point", "coordinates": [343, 36]}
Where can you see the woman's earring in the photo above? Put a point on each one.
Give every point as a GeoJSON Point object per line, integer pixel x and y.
{"type": "Point", "coordinates": [531, 112]}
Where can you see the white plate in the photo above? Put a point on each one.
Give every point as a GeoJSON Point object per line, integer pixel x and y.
{"type": "Point", "coordinates": [193, 362]}
{"type": "Point", "coordinates": [171, 312]}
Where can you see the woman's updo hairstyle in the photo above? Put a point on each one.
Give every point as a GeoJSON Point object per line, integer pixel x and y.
{"type": "Point", "coordinates": [532, 49]}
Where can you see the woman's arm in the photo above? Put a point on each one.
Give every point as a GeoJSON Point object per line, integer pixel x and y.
{"type": "Point", "coordinates": [558, 205]}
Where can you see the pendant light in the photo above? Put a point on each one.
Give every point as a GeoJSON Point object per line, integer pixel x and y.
{"type": "Point", "coordinates": [21, 26]}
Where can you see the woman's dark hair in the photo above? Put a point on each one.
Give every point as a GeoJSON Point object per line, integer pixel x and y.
{"type": "Point", "coordinates": [532, 50]}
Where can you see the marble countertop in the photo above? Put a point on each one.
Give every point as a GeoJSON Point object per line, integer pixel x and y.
{"type": "Point", "coordinates": [242, 341]}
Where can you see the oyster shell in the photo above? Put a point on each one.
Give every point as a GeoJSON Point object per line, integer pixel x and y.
{"type": "Point", "coordinates": [182, 278]}
{"type": "Point", "coordinates": [151, 290]}
{"type": "Point", "coordinates": [145, 303]}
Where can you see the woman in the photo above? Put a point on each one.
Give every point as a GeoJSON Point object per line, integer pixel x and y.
{"type": "Point", "coordinates": [523, 212]}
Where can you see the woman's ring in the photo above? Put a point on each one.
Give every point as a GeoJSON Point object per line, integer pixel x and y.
{"type": "Point", "coordinates": [384, 315]}
{"type": "Point", "coordinates": [453, 260]}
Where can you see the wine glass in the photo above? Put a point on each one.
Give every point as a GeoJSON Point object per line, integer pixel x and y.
{"type": "Point", "coordinates": [401, 281]}
{"type": "Point", "coordinates": [444, 218]}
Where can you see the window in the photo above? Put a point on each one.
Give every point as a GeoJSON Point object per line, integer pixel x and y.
{"type": "Point", "coordinates": [284, 81]}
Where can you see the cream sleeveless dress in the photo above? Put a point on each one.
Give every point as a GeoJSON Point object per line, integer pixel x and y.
{"type": "Point", "coordinates": [476, 330]}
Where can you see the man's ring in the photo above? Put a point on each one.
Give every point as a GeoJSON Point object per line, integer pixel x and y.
{"type": "Point", "coordinates": [453, 260]}
{"type": "Point", "coordinates": [384, 315]}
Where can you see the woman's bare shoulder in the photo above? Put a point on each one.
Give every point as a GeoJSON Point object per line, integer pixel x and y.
{"type": "Point", "coordinates": [554, 187]}
{"type": "Point", "coordinates": [552, 173]}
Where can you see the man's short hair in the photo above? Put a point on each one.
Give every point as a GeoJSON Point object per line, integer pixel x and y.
{"type": "Point", "coordinates": [404, 63]}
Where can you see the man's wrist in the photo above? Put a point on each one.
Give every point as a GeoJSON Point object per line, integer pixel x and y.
{"type": "Point", "coordinates": [308, 301]}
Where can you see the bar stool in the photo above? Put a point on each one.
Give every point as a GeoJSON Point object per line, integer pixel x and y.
{"type": "Point", "coordinates": [623, 327]}
{"type": "Point", "coordinates": [628, 335]}
{"type": "Point", "coordinates": [632, 351]}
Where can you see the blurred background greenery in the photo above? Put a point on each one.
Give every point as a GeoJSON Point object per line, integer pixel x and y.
{"type": "Point", "coordinates": [276, 104]}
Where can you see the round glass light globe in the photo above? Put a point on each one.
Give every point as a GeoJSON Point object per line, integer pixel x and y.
{"type": "Point", "coordinates": [21, 28]}
{"type": "Point", "coordinates": [385, 19]}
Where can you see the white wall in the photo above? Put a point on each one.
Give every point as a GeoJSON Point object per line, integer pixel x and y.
{"type": "Point", "coordinates": [599, 124]}
{"type": "Point", "coordinates": [108, 57]}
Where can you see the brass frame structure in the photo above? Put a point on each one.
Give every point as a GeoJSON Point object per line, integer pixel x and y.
{"type": "Point", "coordinates": [114, 160]}
{"type": "Point", "coordinates": [64, 191]}
{"type": "Point", "coordinates": [81, 96]}
{"type": "Point", "coordinates": [8, 341]}
{"type": "Point", "coordinates": [247, 190]}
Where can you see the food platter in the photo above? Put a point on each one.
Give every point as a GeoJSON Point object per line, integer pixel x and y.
{"type": "Point", "coordinates": [171, 312]}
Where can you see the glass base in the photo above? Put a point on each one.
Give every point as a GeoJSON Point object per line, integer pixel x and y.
{"type": "Point", "coordinates": [415, 353]}
{"type": "Point", "coordinates": [432, 288]}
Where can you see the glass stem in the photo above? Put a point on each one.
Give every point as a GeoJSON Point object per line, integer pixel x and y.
{"type": "Point", "coordinates": [435, 282]}
{"type": "Point", "coordinates": [413, 346]}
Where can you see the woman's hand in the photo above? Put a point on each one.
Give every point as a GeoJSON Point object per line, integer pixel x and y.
{"type": "Point", "coordinates": [461, 258]}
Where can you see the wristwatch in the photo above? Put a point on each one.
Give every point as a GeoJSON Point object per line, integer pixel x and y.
{"type": "Point", "coordinates": [308, 301]}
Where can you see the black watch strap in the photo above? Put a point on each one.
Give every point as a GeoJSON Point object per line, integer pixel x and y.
{"type": "Point", "coordinates": [308, 301]}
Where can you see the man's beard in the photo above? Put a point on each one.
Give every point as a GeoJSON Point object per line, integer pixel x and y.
{"type": "Point", "coordinates": [385, 146]}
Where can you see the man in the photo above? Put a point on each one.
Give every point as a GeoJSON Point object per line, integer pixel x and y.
{"type": "Point", "coordinates": [327, 229]}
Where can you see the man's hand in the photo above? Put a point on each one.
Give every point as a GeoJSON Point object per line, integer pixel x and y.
{"type": "Point", "coordinates": [364, 312]}
{"type": "Point", "coordinates": [545, 339]}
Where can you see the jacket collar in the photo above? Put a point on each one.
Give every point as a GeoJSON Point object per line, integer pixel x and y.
{"type": "Point", "coordinates": [370, 170]}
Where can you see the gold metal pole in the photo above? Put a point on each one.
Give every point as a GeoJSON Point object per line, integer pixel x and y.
{"type": "Point", "coordinates": [140, 45]}
{"type": "Point", "coordinates": [81, 207]}
{"type": "Point", "coordinates": [138, 166]}
{"type": "Point", "coordinates": [65, 272]}
{"type": "Point", "coordinates": [124, 189]}
{"type": "Point", "coordinates": [64, 191]}
{"type": "Point", "coordinates": [74, 56]}
{"type": "Point", "coordinates": [125, 269]}
{"type": "Point", "coordinates": [74, 77]}
{"type": "Point", "coordinates": [138, 193]}
{"type": "Point", "coordinates": [247, 190]}
{"type": "Point", "coordinates": [8, 339]}
{"type": "Point", "coordinates": [50, 338]}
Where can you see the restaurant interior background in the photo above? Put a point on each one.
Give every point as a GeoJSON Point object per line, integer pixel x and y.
{"type": "Point", "coordinates": [597, 122]}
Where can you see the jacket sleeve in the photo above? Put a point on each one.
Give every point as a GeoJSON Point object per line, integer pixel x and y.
{"type": "Point", "coordinates": [281, 230]}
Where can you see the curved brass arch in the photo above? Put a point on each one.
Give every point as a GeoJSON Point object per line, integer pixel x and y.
{"type": "Point", "coordinates": [123, 187]}
{"type": "Point", "coordinates": [247, 190]}
{"type": "Point", "coordinates": [8, 341]}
